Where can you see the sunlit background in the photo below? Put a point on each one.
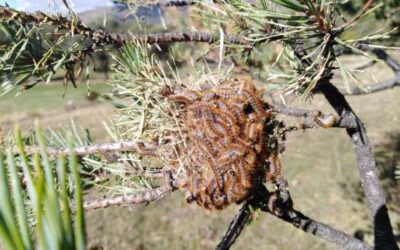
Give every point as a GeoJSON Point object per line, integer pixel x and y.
{"type": "Point", "coordinates": [55, 5]}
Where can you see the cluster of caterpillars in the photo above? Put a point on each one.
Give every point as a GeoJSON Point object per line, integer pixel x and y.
{"type": "Point", "coordinates": [227, 128]}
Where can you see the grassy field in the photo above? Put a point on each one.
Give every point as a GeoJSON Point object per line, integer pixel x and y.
{"type": "Point", "coordinates": [317, 163]}
{"type": "Point", "coordinates": [54, 106]}
{"type": "Point", "coordinates": [45, 98]}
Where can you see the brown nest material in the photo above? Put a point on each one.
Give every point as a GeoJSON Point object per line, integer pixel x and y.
{"type": "Point", "coordinates": [231, 143]}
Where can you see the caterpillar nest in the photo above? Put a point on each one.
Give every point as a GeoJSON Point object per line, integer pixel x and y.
{"type": "Point", "coordinates": [230, 143]}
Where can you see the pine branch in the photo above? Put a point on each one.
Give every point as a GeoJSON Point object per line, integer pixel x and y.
{"type": "Point", "coordinates": [44, 53]}
{"type": "Point", "coordinates": [384, 238]}
{"type": "Point", "coordinates": [102, 38]}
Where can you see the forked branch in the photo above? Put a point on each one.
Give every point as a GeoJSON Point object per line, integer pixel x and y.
{"type": "Point", "coordinates": [384, 238]}
{"type": "Point", "coordinates": [382, 85]}
{"type": "Point", "coordinates": [279, 204]}
{"type": "Point", "coordinates": [390, 62]}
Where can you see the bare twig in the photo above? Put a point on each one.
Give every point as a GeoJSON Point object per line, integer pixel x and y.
{"type": "Point", "coordinates": [138, 146]}
{"type": "Point", "coordinates": [295, 112]}
{"type": "Point", "coordinates": [146, 196]}
{"type": "Point", "coordinates": [380, 86]}
{"type": "Point", "coordinates": [135, 199]}
{"type": "Point", "coordinates": [385, 57]}
{"type": "Point", "coordinates": [163, 3]}
{"type": "Point", "coordinates": [105, 175]}
{"type": "Point", "coordinates": [314, 118]}
{"type": "Point", "coordinates": [176, 3]}
{"type": "Point", "coordinates": [366, 66]}
{"type": "Point", "coordinates": [384, 238]}
{"type": "Point", "coordinates": [149, 174]}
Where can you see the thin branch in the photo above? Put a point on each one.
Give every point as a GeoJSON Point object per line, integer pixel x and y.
{"type": "Point", "coordinates": [366, 66]}
{"type": "Point", "coordinates": [314, 118]}
{"type": "Point", "coordinates": [176, 3]}
{"type": "Point", "coordinates": [190, 37]}
{"type": "Point", "coordinates": [384, 238]}
{"type": "Point", "coordinates": [388, 60]}
{"type": "Point", "coordinates": [377, 87]}
{"type": "Point", "coordinates": [295, 112]}
{"type": "Point", "coordinates": [170, 184]}
{"type": "Point", "coordinates": [131, 200]}
{"type": "Point", "coordinates": [149, 174]}
{"type": "Point", "coordinates": [140, 147]}
{"type": "Point", "coordinates": [104, 176]}
{"type": "Point", "coordinates": [235, 228]}
{"type": "Point", "coordinates": [351, 22]}
{"type": "Point", "coordinates": [163, 3]}
{"type": "Point", "coordinates": [382, 55]}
